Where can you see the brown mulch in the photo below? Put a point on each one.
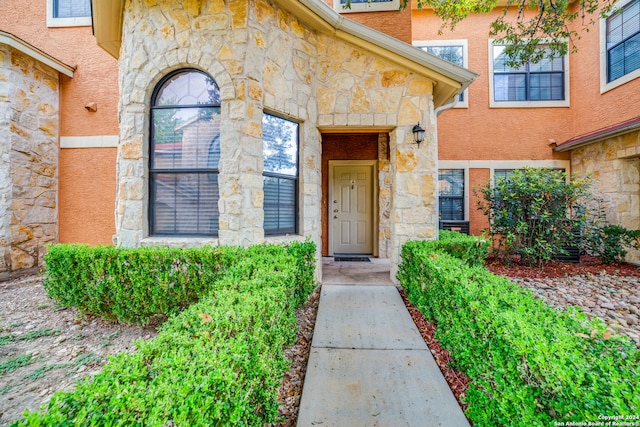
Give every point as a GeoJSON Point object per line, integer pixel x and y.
{"type": "Point", "coordinates": [587, 265]}
{"type": "Point", "coordinates": [290, 391]}
{"type": "Point", "coordinates": [458, 382]}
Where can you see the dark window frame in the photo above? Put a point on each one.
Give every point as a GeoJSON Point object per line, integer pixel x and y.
{"type": "Point", "coordinates": [212, 172]}
{"type": "Point", "coordinates": [527, 73]}
{"type": "Point", "coordinates": [622, 44]}
{"type": "Point", "coordinates": [295, 179]}
{"type": "Point", "coordinates": [461, 198]}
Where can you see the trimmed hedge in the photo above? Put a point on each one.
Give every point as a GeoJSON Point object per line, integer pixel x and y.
{"type": "Point", "coordinates": [470, 249]}
{"type": "Point", "coordinates": [219, 362]}
{"type": "Point", "coordinates": [529, 364]}
{"type": "Point", "coordinates": [132, 285]}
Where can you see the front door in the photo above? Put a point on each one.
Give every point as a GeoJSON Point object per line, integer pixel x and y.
{"type": "Point", "coordinates": [351, 209]}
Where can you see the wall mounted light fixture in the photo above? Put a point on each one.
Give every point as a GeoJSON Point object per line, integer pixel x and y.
{"type": "Point", "coordinates": [418, 134]}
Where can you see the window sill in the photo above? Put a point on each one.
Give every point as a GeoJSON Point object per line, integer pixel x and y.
{"type": "Point", "coordinates": [529, 104]}
{"type": "Point", "coordinates": [179, 242]}
{"type": "Point", "coordinates": [84, 21]}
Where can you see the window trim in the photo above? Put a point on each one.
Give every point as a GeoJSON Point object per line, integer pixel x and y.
{"type": "Point", "coordinates": [379, 6]}
{"type": "Point", "coordinates": [527, 104]}
{"type": "Point", "coordinates": [297, 195]}
{"type": "Point", "coordinates": [604, 85]}
{"type": "Point", "coordinates": [465, 60]}
{"type": "Point", "coordinates": [83, 21]}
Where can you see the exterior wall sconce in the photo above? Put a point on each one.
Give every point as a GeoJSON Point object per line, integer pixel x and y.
{"type": "Point", "coordinates": [418, 134]}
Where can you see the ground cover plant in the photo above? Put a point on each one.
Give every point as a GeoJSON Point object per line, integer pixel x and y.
{"type": "Point", "coordinates": [218, 362]}
{"type": "Point", "coordinates": [528, 363]}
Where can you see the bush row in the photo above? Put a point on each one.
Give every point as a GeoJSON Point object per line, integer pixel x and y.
{"type": "Point", "coordinates": [219, 362]}
{"type": "Point", "coordinates": [132, 285]}
{"type": "Point", "coordinates": [529, 364]}
{"type": "Point", "coordinates": [470, 249]}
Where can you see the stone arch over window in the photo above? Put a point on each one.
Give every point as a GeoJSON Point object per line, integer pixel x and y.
{"type": "Point", "coordinates": [184, 152]}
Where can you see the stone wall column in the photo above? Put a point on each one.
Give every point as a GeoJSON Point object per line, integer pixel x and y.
{"type": "Point", "coordinates": [384, 197]}
{"type": "Point", "coordinates": [413, 181]}
{"type": "Point", "coordinates": [5, 164]}
{"type": "Point", "coordinates": [240, 179]}
{"type": "Point", "coordinates": [29, 101]}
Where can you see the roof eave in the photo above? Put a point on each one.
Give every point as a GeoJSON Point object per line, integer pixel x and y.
{"type": "Point", "coordinates": [107, 24]}
{"type": "Point", "coordinates": [449, 80]}
{"type": "Point", "coordinates": [599, 135]}
{"type": "Point", "coordinates": [24, 47]}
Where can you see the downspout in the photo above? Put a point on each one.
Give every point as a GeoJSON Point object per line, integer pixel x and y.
{"type": "Point", "coordinates": [450, 104]}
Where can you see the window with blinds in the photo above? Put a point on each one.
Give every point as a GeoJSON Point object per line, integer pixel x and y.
{"type": "Point", "coordinates": [71, 8]}
{"type": "Point", "coordinates": [623, 41]}
{"type": "Point", "coordinates": [543, 81]}
{"type": "Point", "coordinates": [280, 154]}
{"type": "Point", "coordinates": [451, 194]}
{"type": "Point", "coordinates": [184, 155]}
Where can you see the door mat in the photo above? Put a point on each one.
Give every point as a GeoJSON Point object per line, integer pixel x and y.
{"type": "Point", "coordinates": [351, 258]}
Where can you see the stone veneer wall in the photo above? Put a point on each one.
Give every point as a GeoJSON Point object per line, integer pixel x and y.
{"type": "Point", "coordinates": [615, 167]}
{"type": "Point", "coordinates": [264, 58]}
{"type": "Point", "coordinates": [29, 100]}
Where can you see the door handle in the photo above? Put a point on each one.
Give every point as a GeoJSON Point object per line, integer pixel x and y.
{"type": "Point", "coordinates": [335, 217]}
{"type": "Point", "coordinates": [335, 210]}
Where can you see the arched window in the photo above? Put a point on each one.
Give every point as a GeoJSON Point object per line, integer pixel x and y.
{"type": "Point", "coordinates": [183, 156]}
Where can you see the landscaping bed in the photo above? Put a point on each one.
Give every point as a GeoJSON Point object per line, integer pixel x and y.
{"type": "Point", "coordinates": [527, 363]}
{"type": "Point", "coordinates": [58, 346]}
{"type": "Point", "coordinates": [221, 359]}
{"type": "Point", "coordinates": [559, 285]}
{"type": "Point", "coordinates": [79, 346]}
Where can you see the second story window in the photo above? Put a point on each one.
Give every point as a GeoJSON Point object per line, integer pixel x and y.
{"type": "Point", "coordinates": [68, 13]}
{"type": "Point", "coordinates": [365, 5]}
{"type": "Point", "coordinates": [454, 51]}
{"type": "Point", "coordinates": [543, 84]}
{"type": "Point", "coordinates": [623, 41]}
{"type": "Point", "coordinates": [71, 8]}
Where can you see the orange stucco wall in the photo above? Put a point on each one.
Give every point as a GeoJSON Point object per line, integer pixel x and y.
{"type": "Point", "coordinates": [86, 179]}
{"type": "Point", "coordinates": [477, 220]}
{"type": "Point", "coordinates": [87, 176]}
{"type": "Point", "coordinates": [489, 133]}
{"type": "Point", "coordinates": [591, 109]}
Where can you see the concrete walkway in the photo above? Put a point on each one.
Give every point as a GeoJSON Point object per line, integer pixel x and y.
{"type": "Point", "coordinates": [368, 365]}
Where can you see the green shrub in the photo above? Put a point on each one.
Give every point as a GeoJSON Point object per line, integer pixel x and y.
{"type": "Point", "coordinates": [132, 285]}
{"type": "Point", "coordinates": [219, 362]}
{"type": "Point", "coordinates": [533, 212]}
{"type": "Point", "coordinates": [529, 364]}
{"type": "Point", "coordinates": [610, 242]}
{"type": "Point", "coordinates": [470, 249]}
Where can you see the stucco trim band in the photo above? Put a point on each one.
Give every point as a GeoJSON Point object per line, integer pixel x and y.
{"type": "Point", "coordinates": [97, 141]}
{"type": "Point", "coordinates": [32, 51]}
